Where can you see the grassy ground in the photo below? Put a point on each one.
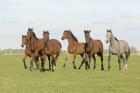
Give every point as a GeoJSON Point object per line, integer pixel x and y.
{"type": "Point", "coordinates": [15, 79]}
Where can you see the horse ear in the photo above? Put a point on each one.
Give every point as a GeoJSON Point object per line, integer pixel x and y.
{"type": "Point", "coordinates": [48, 32]}
{"type": "Point", "coordinates": [110, 30]}
{"type": "Point", "coordinates": [84, 31]}
{"type": "Point", "coordinates": [89, 31]}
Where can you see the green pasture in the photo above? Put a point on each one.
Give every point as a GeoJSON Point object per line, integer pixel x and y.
{"type": "Point", "coordinates": [15, 79]}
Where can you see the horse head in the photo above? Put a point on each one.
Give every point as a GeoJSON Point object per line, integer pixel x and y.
{"type": "Point", "coordinates": [23, 40]}
{"type": "Point", "coordinates": [87, 35]}
{"type": "Point", "coordinates": [66, 34]}
{"type": "Point", "coordinates": [29, 33]}
{"type": "Point", "coordinates": [46, 35]}
{"type": "Point", "coordinates": [109, 35]}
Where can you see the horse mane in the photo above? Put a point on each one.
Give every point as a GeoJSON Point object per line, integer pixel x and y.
{"type": "Point", "coordinates": [116, 39]}
{"type": "Point", "coordinates": [73, 36]}
{"type": "Point", "coordinates": [34, 34]}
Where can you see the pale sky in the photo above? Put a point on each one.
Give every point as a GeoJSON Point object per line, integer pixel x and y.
{"type": "Point", "coordinates": [122, 16]}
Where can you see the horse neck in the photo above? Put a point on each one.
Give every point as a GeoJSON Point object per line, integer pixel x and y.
{"type": "Point", "coordinates": [46, 39]}
{"type": "Point", "coordinates": [113, 42]}
{"type": "Point", "coordinates": [33, 41]}
{"type": "Point", "coordinates": [90, 40]}
{"type": "Point", "coordinates": [71, 41]}
{"type": "Point", "coordinates": [28, 45]}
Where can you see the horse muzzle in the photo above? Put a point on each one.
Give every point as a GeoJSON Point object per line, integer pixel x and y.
{"type": "Point", "coordinates": [62, 38]}
{"type": "Point", "coordinates": [107, 41]}
{"type": "Point", "coordinates": [22, 45]}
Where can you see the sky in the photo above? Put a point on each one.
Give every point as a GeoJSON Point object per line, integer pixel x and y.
{"type": "Point", "coordinates": [55, 16]}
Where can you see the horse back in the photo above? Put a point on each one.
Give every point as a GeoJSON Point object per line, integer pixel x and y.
{"type": "Point", "coordinates": [53, 46]}
{"type": "Point", "coordinates": [124, 47]}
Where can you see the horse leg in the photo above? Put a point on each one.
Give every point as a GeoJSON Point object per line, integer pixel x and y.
{"type": "Point", "coordinates": [52, 63]}
{"type": "Point", "coordinates": [90, 55]}
{"type": "Point", "coordinates": [119, 61]}
{"type": "Point", "coordinates": [84, 60]}
{"type": "Point", "coordinates": [126, 65]}
{"type": "Point", "coordinates": [25, 57]}
{"type": "Point", "coordinates": [43, 63]}
{"type": "Point", "coordinates": [82, 55]}
{"type": "Point", "coordinates": [55, 59]}
{"type": "Point", "coordinates": [87, 66]}
{"type": "Point", "coordinates": [109, 58]}
{"type": "Point", "coordinates": [124, 61]}
{"type": "Point", "coordinates": [37, 63]}
{"type": "Point", "coordinates": [74, 56]}
{"type": "Point", "coordinates": [66, 60]}
{"type": "Point", "coordinates": [49, 62]}
{"type": "Point", "coordinates": [102, 63]}
{"type": "Point", "coordinates": [31, 63]}
{"type": "Point", "coordinates": [94, 59]}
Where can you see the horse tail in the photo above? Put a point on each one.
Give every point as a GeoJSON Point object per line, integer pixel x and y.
{"type": "Point", "coordinates": [60, 45]}
{"type": "Point", "coordinates": [128, 53]}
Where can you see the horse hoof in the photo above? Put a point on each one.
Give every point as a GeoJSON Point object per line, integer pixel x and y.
{"type": "Point", "coordinates": [75, 68]}
{"type": "Point", "coordinates": [102, 69]}
{"type": "Point", "coordinates": [88, 67]}
{"type": "Point", "coordinates": [64, 66]}
{"type": "Point", "coordinates": [41, 70]}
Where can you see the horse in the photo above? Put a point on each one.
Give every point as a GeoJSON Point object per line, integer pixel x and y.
{"type": "Point", "coordinates": [74, 47]}
{"type": "Point", "coordinates": [37, 48]}
{"type": "Point", "coordinates": [93, 47]}
{"type": "Point", "coordinates": [52, 49]}
{"type": "Point", "coordinates": [119, 48]}
{"type": "Point", "coordinates": [27, 52]}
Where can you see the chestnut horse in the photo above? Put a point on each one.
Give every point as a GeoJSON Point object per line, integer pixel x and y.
{"type": "Point", "coordinates": [37, 48]}
{"type": "Point", "coordinates": [93, 47]}
{"type": "Point", "coordinates": [74, 47]}
{"type": "Point", "coordinates": [28, 53]}
{"type": "Point", "coordinates": [52, 50]}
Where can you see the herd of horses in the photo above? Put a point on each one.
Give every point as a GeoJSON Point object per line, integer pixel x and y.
{"type": "Point", "coordinates": [39, 49]}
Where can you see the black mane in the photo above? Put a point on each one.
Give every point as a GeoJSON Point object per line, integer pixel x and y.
{"type": "Point", "coordinates": [34, 35]}
{"type": "Point", "coordinates": [116, 39]}
{"type": "Point", "coordinates": [73, 36]}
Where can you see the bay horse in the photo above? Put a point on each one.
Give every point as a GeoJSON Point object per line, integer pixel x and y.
{"type": "Point", "coordinates": [119, 48]}
{"type": "Point", "coordinates": [93, 47]}
{"type": "Point", "coordinates": [74, 47]}
{"type": "Point", "coordinates": [52, 49]}
{"type": "Point", "coordinates": [27, 51]}
{"type": "Point", "coordinates": [37, 48]}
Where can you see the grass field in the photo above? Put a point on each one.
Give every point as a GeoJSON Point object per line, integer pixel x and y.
{"type": "Point", "coordinates": [15, 79]}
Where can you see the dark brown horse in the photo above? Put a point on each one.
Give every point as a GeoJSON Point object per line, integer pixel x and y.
{"type": "Point", "coordinates": [37, 48]}
{"type": "Point", "coordinates": [52, 49]}
{"type": "Point", "coordinates": [28, 53]}
{"type": "Point", "coordinates": [74, 47]}
{"type": "Point", "coordinates": [93, 47]}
